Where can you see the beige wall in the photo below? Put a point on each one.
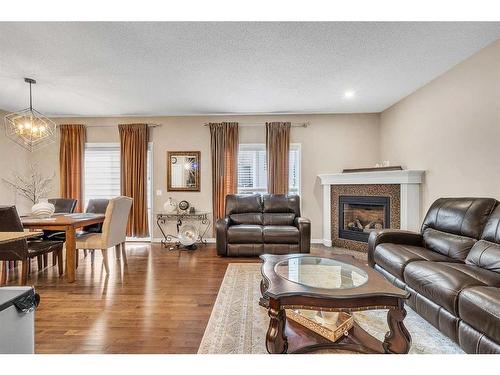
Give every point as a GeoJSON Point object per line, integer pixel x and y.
{"type": "Point", "coordinates": [451, 128]}
{"type": "Point", "coordinates": [331, 143]}
{"type": "Point", "coordinates": [13, 158]}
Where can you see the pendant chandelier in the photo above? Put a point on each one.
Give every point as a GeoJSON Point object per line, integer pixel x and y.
{"type": "Point", "coordinates": [29, 128]}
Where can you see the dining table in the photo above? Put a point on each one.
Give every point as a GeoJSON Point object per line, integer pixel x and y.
{"type": "Point", "coordinates": [68, 223]}
{"type": "Point", "coordinates": [6, 237]}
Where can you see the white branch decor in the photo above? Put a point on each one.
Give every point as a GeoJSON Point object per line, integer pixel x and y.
{"type": "Point", "coordinates": [32, 187]}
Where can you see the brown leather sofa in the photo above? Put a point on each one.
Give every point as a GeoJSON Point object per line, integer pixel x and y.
{"type": "Point", "coordinates": [256, 224]}
{"type": "Point", "coordinates": [451, 269]}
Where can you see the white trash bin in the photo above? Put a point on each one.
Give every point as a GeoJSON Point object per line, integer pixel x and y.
{"type": "Point", "coordinates": [17, 319]}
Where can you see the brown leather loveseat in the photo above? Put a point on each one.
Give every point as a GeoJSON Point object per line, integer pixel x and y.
{"type": "Point", "coordinates": [257, 224]}
{"type": "Point", "coordinates": [451, 269]}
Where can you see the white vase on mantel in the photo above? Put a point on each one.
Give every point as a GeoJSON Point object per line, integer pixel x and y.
{"type": "Point", "coordinates": [170, 206]}
{"type": "Point", "coordinates": [43, 209]}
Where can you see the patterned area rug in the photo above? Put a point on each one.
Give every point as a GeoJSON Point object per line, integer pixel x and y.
{"type": "Point", "coordinates": [238, 324]}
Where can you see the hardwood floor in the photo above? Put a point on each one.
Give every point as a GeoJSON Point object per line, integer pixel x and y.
{"type": "Point", "coordinates": [160, 302]}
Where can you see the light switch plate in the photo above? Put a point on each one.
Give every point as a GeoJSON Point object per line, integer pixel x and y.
{"type": "Point", "coordinates": [159, 192]}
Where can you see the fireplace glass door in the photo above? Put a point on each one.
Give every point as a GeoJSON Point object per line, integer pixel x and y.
{"type": "Point", "coordinates": [358, 216]}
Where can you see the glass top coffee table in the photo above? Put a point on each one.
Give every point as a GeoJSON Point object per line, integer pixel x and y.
{"type": "Point", "coordinates": [330, 284]}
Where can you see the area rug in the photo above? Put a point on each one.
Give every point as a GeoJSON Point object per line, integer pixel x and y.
{"type": "Point", "coordinates": [238, 324]}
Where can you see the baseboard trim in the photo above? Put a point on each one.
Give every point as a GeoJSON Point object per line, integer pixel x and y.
{"type": "Point", "coordinates": [315, 241]}
{"type": "Point", "coordinates": [159, 239]}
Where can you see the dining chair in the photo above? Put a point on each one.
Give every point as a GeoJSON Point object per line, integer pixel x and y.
{"type": "Point", "coordinates": [23, 250]}
{"type": "Point", "coordinates": [62, 206]}
{"type": "Point", "coordinates": [114, 230]}
{"type": "Point", "coordinates": [95, 206]}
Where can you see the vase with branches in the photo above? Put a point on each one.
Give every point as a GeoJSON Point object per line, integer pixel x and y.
{"type": "Point", "coordinates": [34, 186]}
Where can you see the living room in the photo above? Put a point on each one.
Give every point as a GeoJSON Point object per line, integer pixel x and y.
{"type": "Point", "coordinates": [249, 187]}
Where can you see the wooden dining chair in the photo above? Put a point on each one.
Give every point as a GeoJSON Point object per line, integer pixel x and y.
{"type": "Point", "coordinates": [23, 250]}
{"type": "Point", "coordinates": [114, 230]}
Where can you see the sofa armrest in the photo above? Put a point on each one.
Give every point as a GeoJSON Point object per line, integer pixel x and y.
{"type": "Point", "coordinates": [397, 236]}
{"type": "Point", "coordinates": [221, 235]}
{"type": "Point", "coordinates": [304, 226]}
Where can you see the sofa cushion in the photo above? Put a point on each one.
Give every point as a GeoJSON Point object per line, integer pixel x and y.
{"type": "Point", "coordinates": [438, 282]}
{"type": "Point", "coordinates": [285, 218]}
{"type": "Point", "coordinates": [246, 218]}
{"type": "Point", "coordinates": [241, 204]}
{"type": "Point", "coordinates": [486, 255]}
{"type": "Point", "coordinates": [491, 232]}
{"type": "Point", "coordinates": [244, 233]}
{"type": "Point", "coordinates": [480, 308]}
{"type": "Point", "coordinates": [281, 234]}
{"type": "Point", "coordinates": [451, 245]}
{"type": "Point", "coordinates": [452, 225]}
{"type": "Point", "coordinates": [394, 258]}
{"type": "Point", "coordinates": [281, 203]}
{"type": "Point", "coordinates": [483, 275]}
{"type": "Point", "coordinates": [460, 216]}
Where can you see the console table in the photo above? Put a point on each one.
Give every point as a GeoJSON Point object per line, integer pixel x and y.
{"type": "Point", "coordinates": [202, 218]}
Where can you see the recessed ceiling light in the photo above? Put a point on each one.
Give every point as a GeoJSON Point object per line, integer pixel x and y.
{"type": "Point", "coordinates": [349, 94]}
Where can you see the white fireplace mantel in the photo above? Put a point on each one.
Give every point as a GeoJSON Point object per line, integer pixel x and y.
{"type": "Point", "coordinates": [409, 181]}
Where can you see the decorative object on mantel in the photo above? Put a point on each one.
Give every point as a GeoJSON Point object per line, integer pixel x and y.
{"type": "Point", "coordinates": [373, 169]}
{"type": "Point", "coordinates": [170, 206]}
{"type": "Point", "coordinates": [32, 187]}
{"type": "Point", "coordinates": [29, 128]}
{"type": "Point", "coordinates": [183, 170]}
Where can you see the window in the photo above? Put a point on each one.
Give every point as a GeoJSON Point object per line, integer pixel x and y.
{"type": "Point", "coordinates": [252, 168]}
{"type": "Point", "coordinates": [102, 173]}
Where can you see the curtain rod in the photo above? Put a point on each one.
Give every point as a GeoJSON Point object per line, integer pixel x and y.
{"type": "Point", "coordinates": [294, 124]}
{"type": "Point", "coordinates": [110, 126]}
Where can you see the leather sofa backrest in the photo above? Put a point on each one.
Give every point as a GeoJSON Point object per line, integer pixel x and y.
{"type": "Point", "coordinates": [453, 225]}
{"type": "Point", "coordinates": [280, 209]}
{"type": "Point", "coordinates": [244, 209]}
{"type": "Point", "coordinates": [486, 252]}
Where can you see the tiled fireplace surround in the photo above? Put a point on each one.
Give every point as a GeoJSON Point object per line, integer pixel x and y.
{"type": "Point", "coordinates": [401, 187]}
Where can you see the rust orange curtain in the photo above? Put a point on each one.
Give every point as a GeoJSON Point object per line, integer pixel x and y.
{"type": "Point", "coordinates": [224, 148]}
{"type": "Point", "coordinates": [71, 154]}
{"type": "Point", "coordinates": [133, 165]}
{"type": "Point", "coordinates": [278, 154]}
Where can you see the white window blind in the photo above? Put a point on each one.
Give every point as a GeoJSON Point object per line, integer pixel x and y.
{"type": "Point", "coordinates": [102, 171]}
{"type": "Point", "coordinates": [252, 168]}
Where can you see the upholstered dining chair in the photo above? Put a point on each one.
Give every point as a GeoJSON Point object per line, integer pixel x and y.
{"type": "Point", "coordinates": [113, 230]}
{"type": "Point", "coordinates": [23, 250]}
{"type": "Point", "coordinates": [95, 206]}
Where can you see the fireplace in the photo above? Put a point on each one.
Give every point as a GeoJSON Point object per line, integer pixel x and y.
{"type": "Point", "coordinates": [401, 187]}
{"type": "Point", "coordinates": [360, 215]}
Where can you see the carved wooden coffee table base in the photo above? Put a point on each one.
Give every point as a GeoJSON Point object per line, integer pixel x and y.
{"type": "Point", "coordinates": [287, 336]}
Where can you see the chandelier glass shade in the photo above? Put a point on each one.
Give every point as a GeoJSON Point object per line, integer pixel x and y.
{"type": "Point", "coordinates": [29, 128]}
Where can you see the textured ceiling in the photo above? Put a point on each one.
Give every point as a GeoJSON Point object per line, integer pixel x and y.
{"type": "Point", "coordinates": [171, 68]}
